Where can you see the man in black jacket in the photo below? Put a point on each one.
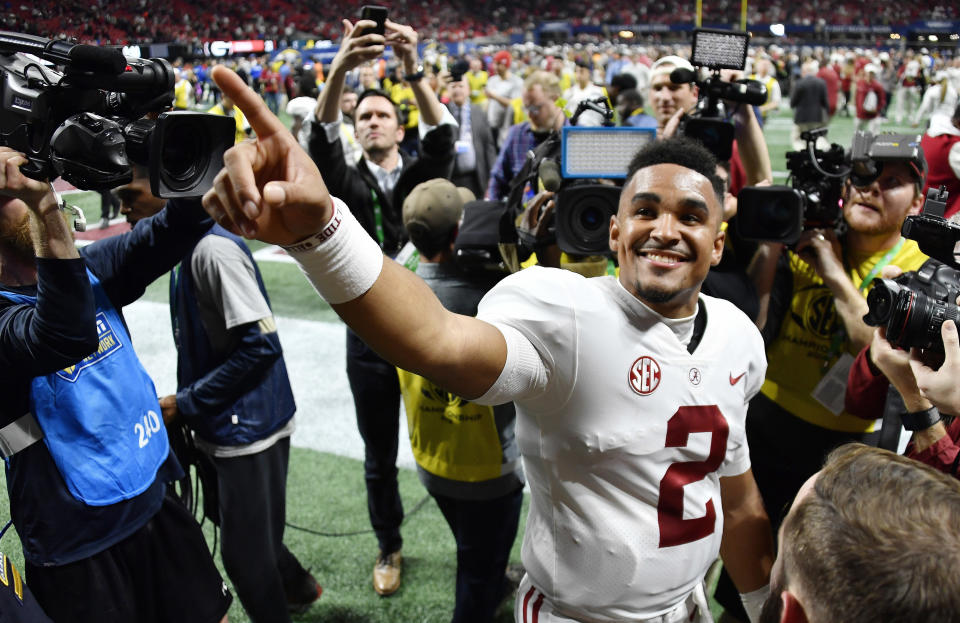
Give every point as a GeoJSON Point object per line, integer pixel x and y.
{"type": "Point", "coordinates": [375, 191]}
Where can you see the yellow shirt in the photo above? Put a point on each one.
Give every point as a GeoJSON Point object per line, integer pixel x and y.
{"type": "Point", "coordinates": [403, 97]}
{"type": "Point", "coordinates": [181, 94]}
{"type": "Point", "coordinates": [238, 118]}
{"type": "Point", "coordinates": [477, 82]}
{"type": "Point", "coordinates": [800, 354]}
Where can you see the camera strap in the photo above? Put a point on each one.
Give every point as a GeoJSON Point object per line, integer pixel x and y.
{"type": "Point", "coordinates": [886, 259]}
{"type": "Point", "coordinates": [377, 215]}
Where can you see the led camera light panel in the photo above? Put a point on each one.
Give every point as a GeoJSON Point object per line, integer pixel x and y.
{"type": "Point", "coordinates": [601, 152]}
{"type": "Point", "coordinates": [719, 49]}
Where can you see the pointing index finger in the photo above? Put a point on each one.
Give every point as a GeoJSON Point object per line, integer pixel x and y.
{"type": "Point", "coordinates": [263, 122]}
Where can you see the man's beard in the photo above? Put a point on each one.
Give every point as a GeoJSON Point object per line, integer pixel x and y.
{"type": "Point", "coordinates": [654, 295]}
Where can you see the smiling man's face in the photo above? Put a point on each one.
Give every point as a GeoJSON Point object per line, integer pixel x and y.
{"type": "Point", "coordinates": [667, 236]}
{"type": "Point", "coordinates": [881, 207]}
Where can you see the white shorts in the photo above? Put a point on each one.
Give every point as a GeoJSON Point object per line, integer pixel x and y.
{"type": "Point", "coordinates": [532, 606]}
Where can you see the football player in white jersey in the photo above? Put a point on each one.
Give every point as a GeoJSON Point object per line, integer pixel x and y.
{"type": "Point", "coordinates": [631, 393]}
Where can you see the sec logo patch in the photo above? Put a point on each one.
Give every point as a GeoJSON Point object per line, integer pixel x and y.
{"type": "Point", "coordinates": [644, 376]}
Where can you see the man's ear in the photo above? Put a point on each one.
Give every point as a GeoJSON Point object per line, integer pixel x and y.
{"type": "Point", "coordinates": [916, 205]}
{"type": "Point", "coordinates": [792, 609]}
{"type": "Point", "coordinates": [614, 233]}
{"type": "Point", "coordinates": [717, 254]}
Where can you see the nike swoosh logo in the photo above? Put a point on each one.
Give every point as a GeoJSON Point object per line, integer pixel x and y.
{"type": "Point", "coordinates": [736, 379]}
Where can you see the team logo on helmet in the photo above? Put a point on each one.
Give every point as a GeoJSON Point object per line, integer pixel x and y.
{"type": "Point", "coordinates": [644, 376]}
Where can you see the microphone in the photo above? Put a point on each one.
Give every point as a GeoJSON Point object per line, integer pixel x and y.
{"type": "Point", "coordinates": [92, 58]}
{"type": "Point", "coordinates": [549, 172]}
{"type": "Point", "coordinates": [682, 75]}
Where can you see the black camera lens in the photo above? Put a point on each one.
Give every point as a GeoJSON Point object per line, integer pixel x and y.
{"type": "Point", "coordinates": [916, 318]}
{"type": "Point", "coordinates": [184, 150]}
{"type": "Point", "coordinates": [593, 218]}
{"type": "Point", "coordinates": [881, 301]}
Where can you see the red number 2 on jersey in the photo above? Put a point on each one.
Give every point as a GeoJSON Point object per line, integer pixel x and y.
{"type": "Point", "coordinates": [674, 529]}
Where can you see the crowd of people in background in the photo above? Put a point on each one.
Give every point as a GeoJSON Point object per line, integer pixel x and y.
{"type": "Point", "coordinates": [107, 22]}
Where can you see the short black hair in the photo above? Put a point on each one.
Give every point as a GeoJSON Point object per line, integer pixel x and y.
{"type": "Point", "coordinates": [381, 93]}
{"type": "Point", "coordinates": [681, 151]}
{"type": "Point", "coordinates": [623, 81]}
{"type": "Point", "coordinates": [630, 97]}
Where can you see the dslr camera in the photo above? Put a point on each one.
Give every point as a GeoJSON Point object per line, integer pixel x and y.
{"type": "Point", "coordinates": [716, 50]}
{"type": "Point", "coordinates": [813, 199]}
{"type": "Point", "coordinates": [77, 111]}
{"type": "Point", "coordinates": [913, 306]}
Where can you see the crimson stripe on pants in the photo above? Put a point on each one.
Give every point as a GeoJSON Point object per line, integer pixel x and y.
{"type": "Point", "coordinates": [526, 600]}
{"type": "Point", "coordinates": [536, 607]}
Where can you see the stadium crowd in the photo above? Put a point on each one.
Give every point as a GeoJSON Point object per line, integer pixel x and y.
{"type": "Point", "coordinates": [701, 395]}
{"type": "Point", "coordinates": [110, 22]}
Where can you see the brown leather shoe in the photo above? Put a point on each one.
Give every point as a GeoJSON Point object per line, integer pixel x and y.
{"type": "Point", "coordinates": [386, 573]}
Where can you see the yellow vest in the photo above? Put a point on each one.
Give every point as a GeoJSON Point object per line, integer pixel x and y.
{"type": "Point", "coordinates": [478, 83]}
{"type": "Point", "coordinates": [238, 118]}
{"type": "Point", "coordinates": [800, 355]}
{"type": "Point", "coordinates": [181, 94]}
{"type": "Point", "coordinates": [450, 437]}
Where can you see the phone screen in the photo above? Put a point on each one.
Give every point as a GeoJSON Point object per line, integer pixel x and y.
{"type": "Point", "coordinates": [376, 14]}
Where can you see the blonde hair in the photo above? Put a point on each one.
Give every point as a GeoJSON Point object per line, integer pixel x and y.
{"type": "Point", "coordinates": [548, 81]}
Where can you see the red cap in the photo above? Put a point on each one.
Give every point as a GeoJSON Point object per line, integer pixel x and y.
{"type": "Point", "coordinates": [502, 57]}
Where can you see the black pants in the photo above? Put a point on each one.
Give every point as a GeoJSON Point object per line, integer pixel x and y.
{"type": "Point", "coordinates": [376, 398]}
{"type": "Point", "coordinates": [484, 531]}
{"type": "Point", "coordinates": [252, 493]}
{"type": "Point", "coordinates": [162, 573]}
{"type": "Point", "coordinates": [109, 204]}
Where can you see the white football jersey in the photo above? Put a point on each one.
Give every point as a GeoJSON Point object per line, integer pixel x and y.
{"type": "Point", "coordinates": [625, 447]}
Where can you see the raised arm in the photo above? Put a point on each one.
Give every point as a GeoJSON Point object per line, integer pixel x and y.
{"type": "Point", "coordinates": [271, 190]}
{"type": "Point", "coordinates": [355, 49]}
{"type": "Point", "coordinates": [404, 42]}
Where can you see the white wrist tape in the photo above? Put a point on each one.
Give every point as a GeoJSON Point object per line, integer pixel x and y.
{"type": "Point", "coordinates": [753, 602]}
{"type": "Point", "coordinates": [341, 261]}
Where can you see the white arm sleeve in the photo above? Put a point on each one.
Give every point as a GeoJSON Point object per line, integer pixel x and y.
{"type": "Point", "coordinates": [523, 376]}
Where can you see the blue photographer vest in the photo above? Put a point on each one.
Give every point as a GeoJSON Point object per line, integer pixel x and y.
{"type": "Point", "coordinates": [268, 404]}
{"type": "Point", "coordinates": [100, 417]}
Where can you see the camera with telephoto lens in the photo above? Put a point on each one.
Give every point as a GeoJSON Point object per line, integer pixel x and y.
{"type": "Point", "coordinates": [77, 111]}
{"type": "Point", "coordinates": [717, 50]}
{"type": "Point", "coordinates": [913, 306]}
{"type": "Point", "coordinates": [817, 177]}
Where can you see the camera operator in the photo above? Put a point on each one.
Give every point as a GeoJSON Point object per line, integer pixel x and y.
{"type": "Point", "coordinates": [871, 537]}
{"type": "Point", "coordinates": [541, 90]}
{"type": "Point", "coordinates": [466, 453]}
{"type": "Point", "coordinates": [375, 190]}
{"type": "Point", "coordinates": [667, 97]}
{"type": "Point", "coordinates": [813, 326]}
{"type": "Point", "coordinates": [101, 540]}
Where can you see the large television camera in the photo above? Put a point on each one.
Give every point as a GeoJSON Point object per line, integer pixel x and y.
{"type": "Point", "coordinates": [913, 306]}
{"type": "Point", "coordinates": [716, 50]}
{"type": "Point", "coordinates": [77, 111]}
{"type": "Point", "coordinates": [813, 199]}
{"type": "Point", "coordinates": [579, 164]}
